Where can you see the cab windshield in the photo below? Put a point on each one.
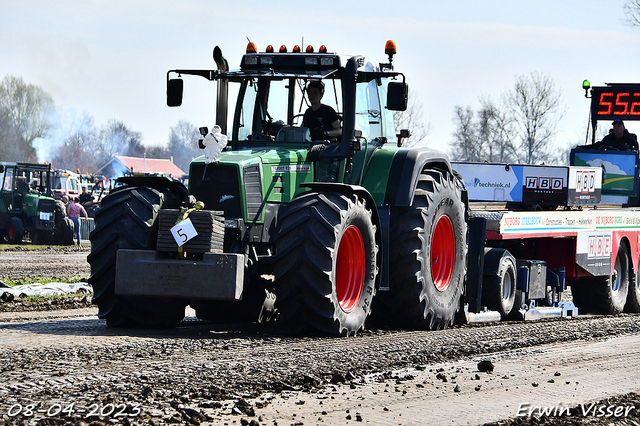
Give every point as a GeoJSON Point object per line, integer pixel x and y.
{"type": "Point", "coordinates": [267, 105]}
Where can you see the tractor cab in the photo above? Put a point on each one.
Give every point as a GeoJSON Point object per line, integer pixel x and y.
{"type": "Point", "coordinates": [272, 99]}
{"type": "Point", "coordinates": [619, 166]}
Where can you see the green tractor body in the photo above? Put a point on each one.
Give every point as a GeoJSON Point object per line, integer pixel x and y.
{"type": "Point", "coordinates": [318, 231]}
{"type": "Point", "coordinates": [27, 205]}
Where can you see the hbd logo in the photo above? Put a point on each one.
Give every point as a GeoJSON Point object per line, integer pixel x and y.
{"type": "Point", "coordinates": [544, 183]}
{"type": "Point", "coordinates": [585, 181]}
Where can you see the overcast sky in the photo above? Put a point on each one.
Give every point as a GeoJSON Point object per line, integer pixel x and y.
{"type": "Point", "coordinates": [110, 58]}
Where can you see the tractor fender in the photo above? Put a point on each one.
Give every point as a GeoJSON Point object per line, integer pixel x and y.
{"type": "Point", "coordinates": [346, 189]}
{"type": "Point", "coordinates": [405, 168]}
{"type": "Point", "coordinates": [157, 182]}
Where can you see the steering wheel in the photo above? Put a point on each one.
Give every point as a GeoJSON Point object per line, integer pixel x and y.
{"type": "Point", "coordinates": [606, 148]}
{"type": "Point", "coordinates": [293, 119]}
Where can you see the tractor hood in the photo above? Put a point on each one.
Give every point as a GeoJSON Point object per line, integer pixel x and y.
{"type": "Point", "coordinates": [242, 182]}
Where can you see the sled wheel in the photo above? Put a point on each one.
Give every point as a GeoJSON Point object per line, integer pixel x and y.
{"type": "Point", "coordinates": [633, 297]}
{"type": "Point", "coordinates": [499, 290]}
{"type": "Point", "coordinates": [608, 294]}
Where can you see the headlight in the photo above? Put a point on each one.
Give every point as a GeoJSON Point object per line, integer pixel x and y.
{"type": "Point", "coordinates": [326, 61]}
{"type": "Point", "coordinates": [251, 60]}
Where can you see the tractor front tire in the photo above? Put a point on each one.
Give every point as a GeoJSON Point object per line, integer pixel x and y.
{"type": "Point", "coordinates": [327, 260]}
{"type": "Point", "coordinates": [427, 257]}
{"type": "Point", "coordinates": [128, 220]}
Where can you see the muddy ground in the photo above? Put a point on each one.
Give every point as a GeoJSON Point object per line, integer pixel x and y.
{"type": "Point", "coordinates": [61, 366]}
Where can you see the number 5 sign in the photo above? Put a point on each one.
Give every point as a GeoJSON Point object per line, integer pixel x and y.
{"type": "Point", "coordinates": [183, 232]}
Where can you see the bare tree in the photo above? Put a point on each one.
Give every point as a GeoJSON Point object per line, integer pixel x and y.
{"type": "Point", "coordinates": [496, 128]}
{"type": "Point", "coordinates": [466, 146]}
{"type": "Point", "coordinates": [183, 144]}
{"type": "Point", "coordinates": [78, 144]}
{"type": "Point", "coordinates": [23, 110]}
{"type": "Point", "coordinates": [534, 105]}
{"type": "Point", "coordinates": [632, 13]}
{"type": "Point", "coordinates": [118, 139]}
{"type": "Point", "coordinates": [412, 119]}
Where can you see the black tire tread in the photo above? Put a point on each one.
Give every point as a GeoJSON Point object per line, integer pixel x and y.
{"type": "Point", "coordinates": [306, 244]}
{"type": "Point", "coordinates": [127, 219]}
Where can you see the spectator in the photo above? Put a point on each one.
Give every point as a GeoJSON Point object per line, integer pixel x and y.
{"type": "Point", "coordinates": [85, 198]}
{"type": "Point", "coordinates": [74, 210]}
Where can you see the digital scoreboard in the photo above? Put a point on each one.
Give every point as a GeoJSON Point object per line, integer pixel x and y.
{"type": "Point", "coordinates": [615, 102]}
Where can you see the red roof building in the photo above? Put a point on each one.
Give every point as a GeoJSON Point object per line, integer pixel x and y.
{"type": "Point", "coordinates": [120, 164]}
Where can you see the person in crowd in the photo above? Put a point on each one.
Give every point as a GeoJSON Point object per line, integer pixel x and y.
{"type": "Point", "coordinates": [85, 198]}
{"type": "Point", "coordinates": [74, 210]}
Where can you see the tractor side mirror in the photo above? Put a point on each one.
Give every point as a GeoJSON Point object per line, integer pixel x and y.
{"type": "Point", "coordinates": [397, 96]}
{"type": "Point", "coordinates": [174, 92]}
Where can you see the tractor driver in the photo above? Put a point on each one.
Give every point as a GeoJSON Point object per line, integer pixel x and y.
{"type": "Point", "coordinates": [322, 120]}
{"type": "Point", "coordinates": [618, 138]}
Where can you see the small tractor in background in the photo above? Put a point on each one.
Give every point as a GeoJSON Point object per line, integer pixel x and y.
{"type": "Point", "coordinates": [319, 233]}
{"type": "Point", "coordinates": [27, 206]}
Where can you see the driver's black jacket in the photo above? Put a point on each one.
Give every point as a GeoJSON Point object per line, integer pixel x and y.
{"type": "Point", "coordinates": [628, 142]}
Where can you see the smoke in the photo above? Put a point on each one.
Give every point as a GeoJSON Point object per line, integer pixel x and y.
{"type": "Point", "coordinates": [62, 125]}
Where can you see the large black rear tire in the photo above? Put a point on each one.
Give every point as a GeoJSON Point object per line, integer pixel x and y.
{"type": "Point", "coordinates": [327, 263]}
{"type": "Point", "coordinates": [428, 251]}
{"type": "Point", "coordinates": [63, 234]}
{"type": "Point", "coordinates": [127, 219]}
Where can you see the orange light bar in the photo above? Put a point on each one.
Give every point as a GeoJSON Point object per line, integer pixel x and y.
{"type": "Point", "coordinates": [251, 48]}
{"type": "Point", "coordinates": [283, 49]}
{"type": "Point", "coordinates": [309, 49]}
{"type": "Point", "coordinates": [296, 49]}
{"type": "Point", "coordinates": [323, 49]}
{"type": "Point", "coordinates": [390, 47]}
{"type": "Point", "coordinates": [269, 49]}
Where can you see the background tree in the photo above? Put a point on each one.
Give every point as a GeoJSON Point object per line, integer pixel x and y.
{"type": "Point", "coordinates": [632, 12]}
{"type": "Point", "coordinates": [23, 109]}
{"type": "Point", "coordinates": [519, 129]}
{"type": "Point", "coordinates": [183, 144]}
{"type": "Point", "coordinates": [77, 146]}
{"type": "Point", "coordinates": [465, 138]}
{"type": "Point", "coordinates": [534, 106]}
{"type": "Point", "coordinates": [412, 119]}
{"type": "Point", "coordinates": [118, 139]}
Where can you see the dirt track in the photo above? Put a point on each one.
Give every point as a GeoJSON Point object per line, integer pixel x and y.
{"type": "Point", "coordinates": [238, 374]}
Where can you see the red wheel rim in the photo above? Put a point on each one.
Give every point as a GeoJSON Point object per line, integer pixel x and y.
{"type": "Point", "coordinates": [11, 232]}
{"type": "Point", "coordinates": [350, 269]}
{"type": "Point", "coordinates": [443, 249]}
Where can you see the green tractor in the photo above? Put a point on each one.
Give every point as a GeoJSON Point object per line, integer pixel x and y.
{"type": "Point", "coordinates": [27, 206]}
{"type": "Point", "coordinates": [317, 228]}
